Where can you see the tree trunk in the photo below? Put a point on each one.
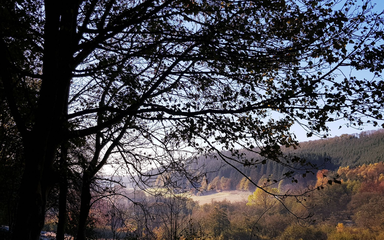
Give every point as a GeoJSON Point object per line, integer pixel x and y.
{"type": "Point", "coordinates": [62, 223]}
{"type": "Point", "coordinates": [84, 208]}
{"type": "Point", "coordinates": [35, 186]}
{"type": "Point", "coordinates": [50, 118]}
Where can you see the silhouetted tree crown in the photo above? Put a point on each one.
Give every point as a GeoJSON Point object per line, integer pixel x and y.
{"type": "Point", "coordinates": [153, 77]}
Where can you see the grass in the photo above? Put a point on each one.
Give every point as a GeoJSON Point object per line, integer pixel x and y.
{"type": "Point", "coordinates": [231, 196]}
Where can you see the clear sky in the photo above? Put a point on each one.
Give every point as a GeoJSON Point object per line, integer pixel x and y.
{"type": "Point", "coordinates": [335, 131]}
{"type": "Point", "coordinates": [379, 5]}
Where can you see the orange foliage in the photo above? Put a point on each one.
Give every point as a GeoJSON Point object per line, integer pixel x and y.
{"type": "Point", "coordinates": [340, 227]}
{"type": "Point", "coordinates": [321, 177]}
{"type": "Point", "coordinates": [371, 176]}
{"type": "Point", "coordinates": [370, 172]}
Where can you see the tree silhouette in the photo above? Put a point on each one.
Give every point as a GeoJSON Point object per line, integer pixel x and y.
{"type": "Point", "coordinates": [202, 75]}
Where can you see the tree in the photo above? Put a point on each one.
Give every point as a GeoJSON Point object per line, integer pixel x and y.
{"type": "Point", "coordinates": [325, 203]}
{"type": "Point", "coordinates": [244, 184]}
{"type": "Point", "coordinates": [217, 222]}
{"type": "Point", "coordinates": [199, 74]}
{"type": "Point", "coordinates": [10, 165]}
{"type": "Point", "coordinates": [174, 213]}
{"type": "Point", "coordinates": [263, 199]}
{"type": "Point", "coordinates": [225, 183]}
{"type": "Point", "coordinates": [368, 210]}
{"type": "Point", "coordinates": [204, 184]}
{"type": "Point", "coordinates": [296, 231]}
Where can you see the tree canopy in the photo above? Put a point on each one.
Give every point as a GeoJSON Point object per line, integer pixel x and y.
{"type": "Point", "coordinates": [148, 79]}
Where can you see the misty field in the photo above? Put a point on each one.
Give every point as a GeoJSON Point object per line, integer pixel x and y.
{"type": "Point", "coordinates": [231, 196]}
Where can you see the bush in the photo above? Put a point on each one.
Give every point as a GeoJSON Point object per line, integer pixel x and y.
{"type": "Point", "coordinates": [353, 234]}
{"type": "Point", "coordinates": [296, 231]}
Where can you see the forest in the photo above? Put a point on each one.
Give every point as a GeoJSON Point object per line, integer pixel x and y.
{"type": "Point", "coordinates": [352, 208]}
{"type": "Point", "coordinates": [170, 96]}
{"type": "Point", "coordinates": [332, 153]}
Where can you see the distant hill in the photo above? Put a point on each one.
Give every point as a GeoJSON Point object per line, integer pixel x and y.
{"type": "Point", "coordinates": [345, 150]}
{"type": "Point", "coordinates": [348, 150]}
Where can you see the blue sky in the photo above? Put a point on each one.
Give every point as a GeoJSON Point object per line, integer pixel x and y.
{"type": "Point", "coordinates": [335, 130]}
{"type": "Point", "coordinates": [379, 5]}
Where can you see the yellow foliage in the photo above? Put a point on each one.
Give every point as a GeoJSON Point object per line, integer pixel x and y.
{"type": "Point", "coordinates": [381, 177]}
{"type": "Point", "coordinates": [263, 199]}
{"type": "Point", "coordinates": [340, 227]}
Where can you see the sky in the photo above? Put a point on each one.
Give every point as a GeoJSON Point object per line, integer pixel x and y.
{"type": "Point", "coordinates": [335, 130]}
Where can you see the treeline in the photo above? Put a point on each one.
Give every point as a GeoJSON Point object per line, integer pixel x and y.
{"type": "Point", "coordinates": [353, 209]}
{"type": "Point", "coordinates": [345, 150]}
{"type": "Point", "coordinates": [348, 150]}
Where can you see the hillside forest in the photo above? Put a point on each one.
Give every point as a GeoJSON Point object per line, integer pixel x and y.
{"type": "Point", "coordinates": [343, 201]}
{"type": "Point", "coordinates": [343, 151]}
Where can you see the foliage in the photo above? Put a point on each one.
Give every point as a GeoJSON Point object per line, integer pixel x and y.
{"type": "Point", "coordinates": [225, 183]}
{"type": "Point", "coordinates": [342, 211]}
{"type": "Point", "coordinates": [353, 234]}
{"type": "Point", "coordinates": [369, 173]}
{"type": "Point", "coordinates": [218, 221]}
{"type": "Point", "coordinates": [330, 203]}
{"type": "Point", "coordinates": [11, 164]}
{"type": "Point", "coordinates": [244, 184]}
{"type": "Point", "coordinates": [324, 153]}
{"type": "Point", "coordinates": [204, 184]}
{"type": "Point", "coordinates": [297, 231]}
{"type": "Point", "coordinates": [348, 150]}
{"type": "Point", "coordinates": [151, 80]}
{"type": "Point", "coordinates": [368, 210]}
{"type": "Point", "coordinates": [214, 184]}
{"type": "Point", "coordinates": [173, 216]}
{"type": "Point", "coordinates": [263, 198]}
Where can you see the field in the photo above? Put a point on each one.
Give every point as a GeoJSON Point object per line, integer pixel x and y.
{"type": "Point", "coordinates": [231, 196]}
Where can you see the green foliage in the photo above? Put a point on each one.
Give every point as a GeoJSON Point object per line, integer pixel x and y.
{"type": "Point", "coordinates": [348, 150]}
